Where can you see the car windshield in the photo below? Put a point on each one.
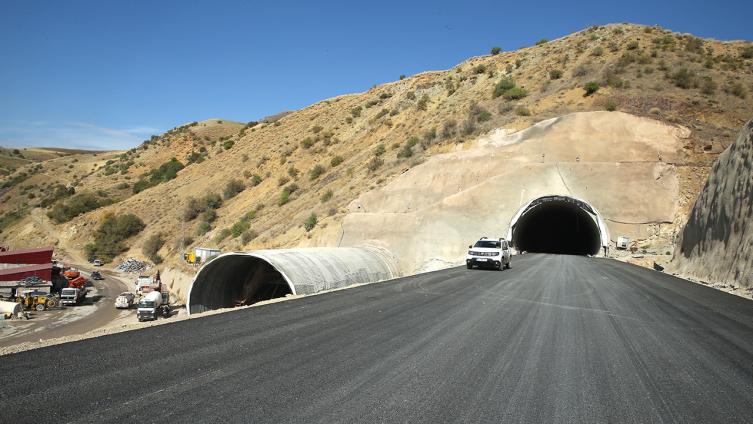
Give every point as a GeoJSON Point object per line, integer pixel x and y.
{"type": "Point", "coordinates": [493, 244]}
{"type": "Point", "coordinates": [146, 304]}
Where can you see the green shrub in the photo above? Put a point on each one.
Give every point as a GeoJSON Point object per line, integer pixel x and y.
{"type": "Point", "coordinates": [255, 180]}
{"type": "Point", "coordinates": [632, 45]}
{"type": "Point", "coordinates": [483, 116]}
{"type": "Point", "coordinates": [611, 106]}
{"type": "Point", "coordinates": [503, 86]}
{"type": "Point", "coordinates": [291, 188]}
{"type": "Point", "coordinates": [591, 88]}
{"type": "Point", "coordinates": [597, 51]}
{"type": "Point", "coordinates": [522, 111]}
{"type": "Point", "coordinates": [430, 135]}
{"type": "Point", "coordinates": [326, 196]}
{"type": "Point", "coordinates": [736, 89]}
{"type": "Point", "coordinates": [248, 236]}
{"type": "Point", "coordinates": [152, 245]}
{"type": "Point", "coordinates": [683, 78]}
{"type": "Point", "coordinates": [206, 205]}
{"type": "Point", "coordinates": [316, 129]}
{"type": "Point", "coordinates": [423, 102]}
{"type": "Point", "coordinates": [495, 51]}
{"type": "Point", "coordinates": [336, 161]}
{"type": "Point", "coordinates": [222, 235]}
{"type": "Point", "coordinates": [203, 228]}
{"type": "Point", "coordinates": [282, 181]}
{"type": "Point", "coordinates": [228, 144]}
{"type": "Point", "coordinates": [284, 198]}
{"type": "Point", "coordinates": [307, 142]}
{"type": "Point", "coordinates": [310, 222]}
{"type": "Point", "coordinates": [110, 236]}
{"type": "Point", "coordinates": [747, 52]}
{"type": "Point", "coordinates": [232, 188]}
{"type": "Point", "coordinates": [515, 93]}
{"type": "Point", "coordinates": [542, 41]}
{"type": "Point", "coordinates": [209, 215]}
{"type": "Point", "coordinates": [479, 69]}
{"type": "Point", "coordinates": [316, 171]}
{"type": "Point", "coordinates": [555, 74]}
{"type": "Point", "coordinates": [166, 172]}
{"type": "Point", "coordinates": [64, 211]}
{"type": "Point", "coordinates": [356, 111]}
{"type": "Point", "coordinates": [239, 228]}
{"type": "Point", "coordinates": [292, 171]}
{"type": "Point", "coordinates": [379, 150]}
{"type": "Point", "coordinates": [708, 86]}
{"type": "Point", "coordinates": [381, 113]}
{"type": "Point", "coordinates": [374, 163]}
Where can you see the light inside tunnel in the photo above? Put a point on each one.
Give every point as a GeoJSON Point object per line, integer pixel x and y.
{"type": "Point", "coordinates": [557, 226]}
{"type": "Point", "coordinates": [236, 281]}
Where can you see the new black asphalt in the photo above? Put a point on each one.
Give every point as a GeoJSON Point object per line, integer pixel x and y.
{"type": "Point", "coordinates": [555, 339]}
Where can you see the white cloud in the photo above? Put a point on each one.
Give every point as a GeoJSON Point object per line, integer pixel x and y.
{"type": "Point", "coordinates": [73, 135]}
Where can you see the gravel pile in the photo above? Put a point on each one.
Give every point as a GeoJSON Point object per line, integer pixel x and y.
{"type": "Point", "coordinates": [132, 265]}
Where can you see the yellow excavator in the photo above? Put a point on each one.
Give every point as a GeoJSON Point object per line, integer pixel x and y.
{"type": "Point", "coordinates": [37, 300]}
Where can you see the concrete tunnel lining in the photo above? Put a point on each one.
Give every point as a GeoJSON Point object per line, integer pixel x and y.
{"type": "Point", "coordinates": [250, 277]}
{"type": "Point", "coordinates": [558, 224]}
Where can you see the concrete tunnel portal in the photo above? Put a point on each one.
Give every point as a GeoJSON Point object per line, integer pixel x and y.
{"type": "Point", "coordinates": [558, 224]}
{"type": "Point", "coordinates": [244, 278]}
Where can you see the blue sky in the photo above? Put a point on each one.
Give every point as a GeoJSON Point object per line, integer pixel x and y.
{"type": "Point", "coordinates": [108, 74]}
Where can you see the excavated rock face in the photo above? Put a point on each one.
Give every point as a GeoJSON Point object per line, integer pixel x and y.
{"type": "Point", "coordinates": [717, 242]}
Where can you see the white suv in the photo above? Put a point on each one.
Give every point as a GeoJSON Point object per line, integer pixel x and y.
{"type": "Point", "coordinates": [490, 253]}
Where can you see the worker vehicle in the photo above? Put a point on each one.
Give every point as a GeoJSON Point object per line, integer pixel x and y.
{"type": "Point", "coordinates": [37, 300]}
{"type": "Point", "coordinates": [124, 300]}
{"type": "Point", "coordinates": [71, 273]}
{"type": "Point", "coordinates": [97, 262]}
{"type": "Point", "coordinates": [78, 282]}
{"type": "Point", "coordinates": [70, 296]}
{"type": "Point", "coordinates": [153, 304]}
{"type": "Point", "coordinates": [489, 253]}
{"type": "Point", "coordinates": [96, 275]}
{"type": "Point", "coordinates": [190, 257]}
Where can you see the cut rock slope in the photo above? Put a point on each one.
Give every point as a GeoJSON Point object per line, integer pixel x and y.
{"type": "Point", "coordinates": [717, 242]}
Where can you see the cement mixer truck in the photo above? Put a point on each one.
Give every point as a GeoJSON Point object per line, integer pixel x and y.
{"type": "Point", "coordinates": [152, 304]}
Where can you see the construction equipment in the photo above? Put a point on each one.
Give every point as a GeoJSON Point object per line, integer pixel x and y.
{"type": "Point", "coordinates": [70, 296]}
{"type": "Point", "coordinates": [190, 257]}
{"type": "Point", "coordinates": [37, 300]}
{"type": "Point", "coordinates": [71, 273]}
{"type": "Point", "coordinates": [148, 306]}
{"type": "Point", "coordinates": [78, 283]}
{"type": "Point", "coordinates": [146, 284]}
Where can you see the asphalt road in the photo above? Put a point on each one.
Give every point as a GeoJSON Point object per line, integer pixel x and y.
{"type": "Point", "coordinates": [555, 339]}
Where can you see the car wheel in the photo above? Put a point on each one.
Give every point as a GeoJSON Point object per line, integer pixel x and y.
{"type": "Point", "coordinates": [469, 266]}
{"type": "Point", "coordinates": [508, 265]}
{"type": "Point", "coordinates": [39, 307]}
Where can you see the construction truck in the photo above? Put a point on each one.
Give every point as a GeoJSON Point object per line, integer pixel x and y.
{"type": "Point", "coordinates": [152, 305]}
{"type": "Point", "coordinates": [146, 284]}
{"type": "Point", "coordinates": [70, 296]}
{"type": "Point", "coordinates": [190, 257]}
{"type": "Point", "coordinates": [37, 300]}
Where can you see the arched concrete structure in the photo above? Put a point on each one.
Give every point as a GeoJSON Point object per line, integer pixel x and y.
{"type": "Point", "coordinates": [558, 224]}
{"type": "Point", "coordinates": [243, 278]}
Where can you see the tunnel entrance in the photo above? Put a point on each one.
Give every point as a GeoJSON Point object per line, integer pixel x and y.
{"type": "Point", "coordinates": [557, 224]}
{"type": "Point", "coordinates": [236, 281]}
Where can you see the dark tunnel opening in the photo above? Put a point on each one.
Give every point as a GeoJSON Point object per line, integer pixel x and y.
{"type": "Point", "coordinates": [236, 280]}
{"type": "Point", "coordinates": [557, 227]}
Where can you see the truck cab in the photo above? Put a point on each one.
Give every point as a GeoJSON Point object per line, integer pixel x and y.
{"type": "Point", "coordinates": [148, 306]}
{"type": "Point", "coordinates": [489, 253]}
{"type": "Point", "coordinates": [72, 295]}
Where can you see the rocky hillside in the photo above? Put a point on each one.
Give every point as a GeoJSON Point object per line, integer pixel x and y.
{"type": "Point", "coordinates": [281, 181]}
{"type": "Point", "coordinates": [717, 242]}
